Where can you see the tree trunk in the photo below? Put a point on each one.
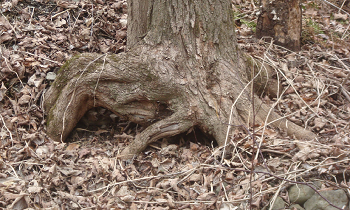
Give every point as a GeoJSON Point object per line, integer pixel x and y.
{"type": "Point", "coordinates": [280, 20]}
{"type": "Point", "coordinates": [182, 55]}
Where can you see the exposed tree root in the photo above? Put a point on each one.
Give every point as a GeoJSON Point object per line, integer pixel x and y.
{"type": "Point", "coordinates": [135, 84]}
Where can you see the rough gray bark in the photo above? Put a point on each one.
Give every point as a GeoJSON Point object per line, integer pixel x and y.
{"type": "Point", "coordinates": [281, 20]}
{"type": "Point", "coordinates": [184, 56]}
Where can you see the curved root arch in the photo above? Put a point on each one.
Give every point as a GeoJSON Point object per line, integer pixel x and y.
{"type": "Point", "coordinates": [132, 85]}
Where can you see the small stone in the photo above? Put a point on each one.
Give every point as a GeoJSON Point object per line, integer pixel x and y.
{"type": "Point", "coordinates": [296, 207]}
{"type": "Point", "coordinates": [336, 197]}
{"type": "Point", "coordinates": [279, 204]}
{"type": "Point", "coordinates": [50, 76]}
{"type": "Point", "coordinates": [300, 193]}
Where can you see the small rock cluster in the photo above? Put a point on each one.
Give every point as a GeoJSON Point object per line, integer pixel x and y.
{"type": "Point", "coordinates": [303, 197]}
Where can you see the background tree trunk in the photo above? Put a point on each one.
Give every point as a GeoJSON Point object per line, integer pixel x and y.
{"type": "Point", "coordinates": [183, 56]}
{"type": "Point", "coordinates": [281, 20]}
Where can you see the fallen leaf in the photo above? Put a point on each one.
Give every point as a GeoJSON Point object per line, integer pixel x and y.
{"type": "Point", "coordinates": [84, 152]}
{"type": "Point", "coordinates": [72, 146]}
{"type": "Point", "coordinates": [339, 16]}
{"type": "Point", "coordinates": [24, 99]}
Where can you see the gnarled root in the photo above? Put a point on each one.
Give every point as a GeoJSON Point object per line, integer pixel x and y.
{"type": "Point", "coordinates": [175, 124]}
{"type": "Point", "coordinates": [133, 85]}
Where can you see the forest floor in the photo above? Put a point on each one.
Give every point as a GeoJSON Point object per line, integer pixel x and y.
{"type": "Point", "coordinates": [184, 172]}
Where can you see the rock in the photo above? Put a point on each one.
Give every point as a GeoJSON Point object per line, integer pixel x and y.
{"type": "Point", "coordinates": [336, 197]}
{"type": "Point", "coordinates": [279, 204]}
{"type": "Point", "coordinates": [50, 76]}
{"type": "Point", "coordinates": [296, 207]}
{"type": "Point", "coordinates": [300, 193]}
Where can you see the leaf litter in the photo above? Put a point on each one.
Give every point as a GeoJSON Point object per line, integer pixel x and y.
{"type": "Point", "coordinates": [185, 172]}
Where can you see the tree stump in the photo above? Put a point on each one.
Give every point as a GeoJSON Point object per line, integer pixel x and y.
{"type": "Point", "coordinates": [282, 21]}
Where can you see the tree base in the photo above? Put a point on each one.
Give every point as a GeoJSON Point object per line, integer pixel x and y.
{"type": "Point", "coordinates": [168, 96]}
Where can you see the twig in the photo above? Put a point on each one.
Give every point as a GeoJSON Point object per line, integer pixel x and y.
{"type": "Point", "coordinates": [139, 179]}
{"type": "Point", "coordinates": [231, 113]}
{"type": "Point", "coordinates": [124, 135]}
{"type": "Point", "coordinates": [59, 13]}
{"type": "Point", "coordinates": [341, 86]}
{"type": "Point", "coordinates": [276, 152]}
{"type": "Point", "coordinates": [253, 139]}
{"type": "Point", "coordinates": [340, 9]}
{"type": "Point", "coordinates": [14, 171]}
{"type": "Point", "coordinates": [13, 28]}
{"type": "Point", "coordinates": [10, 68]}
{"type": "Point", "coordinates": [75, 22]}
{"type": "Point", "coordinates": [3, 122]}
{"type": "Point", "coordinates": [39, 57]}
{"type": "Point", "coordinates": [31, 15]}
{"type": "Point", "coordinates": [92, 24]}
{"type": "Point", "coordinates": [98, 79]}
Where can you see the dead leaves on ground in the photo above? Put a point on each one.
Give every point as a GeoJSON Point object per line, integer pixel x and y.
{"type": "Point", "coordinates": [37, 37]}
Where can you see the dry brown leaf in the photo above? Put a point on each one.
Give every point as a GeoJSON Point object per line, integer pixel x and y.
{"type": "Point", "coordinates": [43, 43]}
{"type": "Point", "coordinates": [169, 150]}
{"type": "Point", "coordinates": [5, 37]}
{"type": "Point", "coordinates": [195, 177]}
{"type": "Point", "coordinates": [42, 151]}
{"type": "Point", "coordinates": [34, 188]}
{"type": "Point", "coordinates": [339, 16]}
{"type": "Point", "coordinates": [72, 146]}
{"type": "Point", "coordinates": [84, 152]}
{"type": "Point", "coordinates": [25, 99]}
{"type": "Point", "coordinates": [319, 123]}
{"type": "Point", "coordinates": [19, 203]}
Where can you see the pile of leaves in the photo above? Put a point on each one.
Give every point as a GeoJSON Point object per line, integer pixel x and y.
{"type": "Point", "coordinates": [184, 172]}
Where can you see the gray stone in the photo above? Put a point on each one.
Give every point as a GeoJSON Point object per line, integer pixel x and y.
{"type": "Point", "coordinates": [336, 197]}
{"type": "Point", "coordinates": [300, 193]}
{"type": "Point", "coordinates": [279, 204]}
{"type": "Point", "coordinates": [296, 206]}
{"type": "Point", "coordinates": [50, 76]}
